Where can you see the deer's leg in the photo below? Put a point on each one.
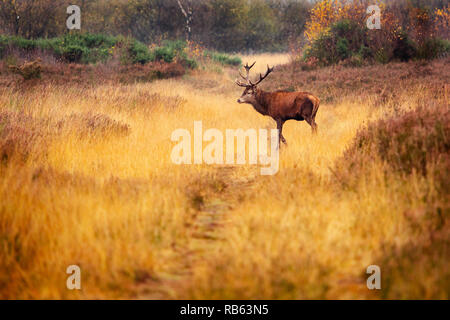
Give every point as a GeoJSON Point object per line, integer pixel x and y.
{"type": "Point", "coordinates": [312, 123]}
{"type": "Point", "coordinates": [314, 128]}
{"type": "Point", "coordinates": [280, 131]}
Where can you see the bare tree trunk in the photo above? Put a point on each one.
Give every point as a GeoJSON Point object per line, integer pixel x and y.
{"type": "Point", "coordinates": [188, 12]}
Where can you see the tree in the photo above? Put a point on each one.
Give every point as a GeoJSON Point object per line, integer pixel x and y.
{"type": "Point", "coordinates": [187, 10]}
{"type": "Point", "coordinates": [228, 26]}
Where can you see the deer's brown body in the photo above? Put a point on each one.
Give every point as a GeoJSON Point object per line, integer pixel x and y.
{"type": "Point", "coordinates": [280, 105]}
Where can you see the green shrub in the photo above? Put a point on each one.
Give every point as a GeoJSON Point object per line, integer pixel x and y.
{"type": "Point", "coordinates": [73, 53]}
{"type": "Point", "coordinates": [433, 48]}
{"type": "Point", "coordinates": [22, 43]}
{"type": "Point", "coordinates": [165, 54]}
{"type": "Point", "coordinates": [323, 49]}
{"type": "Point", "coordinates": [365, 52]}
{"type": "Point", "coordinates": [223, 58]}
{"type": "Point", "coordinates": [98, 40]}
{"type": "Point", "coordinates": [86, 48]}
{"type": "Point", "coordinates": [170, 50]}
{"type": "Point", "coordinates": [3, 45]}
{"type": "Point", "coordinates": [381, 56]}
{"type": "Point", "coordinates": [176, 46]}
{"type": "Point", "coordinates": [139, 52]}
{"type": "Point", "coordinates": [339, 42]}
{"type": "Point", "coordinates": [93, 48]}
{"type": "Point", "coordinates": [342, 48]}
{"type": "Point", "coordinates": [189, 63]}
{"type": "Point", "coordinates": [174, 51]}
{"type": "Point", "coordinates": [96, 54]}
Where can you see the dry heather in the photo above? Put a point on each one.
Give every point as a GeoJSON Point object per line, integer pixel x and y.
{"type": "Point", "coordinates": [86, 178]}
{"type": "Point", "coordinates": [60, 74]}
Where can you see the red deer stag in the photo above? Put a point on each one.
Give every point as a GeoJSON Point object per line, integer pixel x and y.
{"type": "Point", "coordinates": [280, 105]}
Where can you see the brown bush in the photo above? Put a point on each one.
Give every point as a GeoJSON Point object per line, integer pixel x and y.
{"type": "Point", "coordinates": [168, 70]}
{"type": "Point", "coordinates": [416, 141]}
{"type": "Point", "coordinates": [28, 70]}
{"type": "Point", "coordinates": [56, 72]}
{"type": "Point", "coordinates": [150, 72]}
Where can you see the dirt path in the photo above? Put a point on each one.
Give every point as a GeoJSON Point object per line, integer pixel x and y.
{"type": "Point", "coordinates": [206, 230]}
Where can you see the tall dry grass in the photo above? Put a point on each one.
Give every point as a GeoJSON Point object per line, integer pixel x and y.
{"type": "Point", "coordinates": [95, 186]}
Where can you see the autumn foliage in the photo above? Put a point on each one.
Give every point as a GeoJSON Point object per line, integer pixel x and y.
{"type": "Point", "coordinates": [336, 31]}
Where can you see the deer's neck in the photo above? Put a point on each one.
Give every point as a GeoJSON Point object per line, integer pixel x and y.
{"type": "Point", "coordinates": [260, 103]}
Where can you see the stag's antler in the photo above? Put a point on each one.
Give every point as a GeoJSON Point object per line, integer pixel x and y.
{"type": "Point", "coordinates": [249, 83]}
{"type": "Point", "coordinates": [262, 77]}
{"type": "Point", "coordinates": [247, 69]}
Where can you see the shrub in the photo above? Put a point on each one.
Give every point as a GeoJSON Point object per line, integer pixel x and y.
{"type": "Point", "coordinates": [73, 53]}
{"type": "Point", "coordinates": [340, 41]}
{"type": "Point", "coordinates": [322, 49]}
{"type": "Point", "coordinates": [189, 63]}
{"type": "Point", "coordinates": [433, 48]}
{"type": "Point", "coordinates": [174, 51]}
{"type": "Point", "coordinates": [165, 71]}
{"type": "Point", "coordinates": [417, 141]}
{"type": "Point", "coordinates": [342, 48]}
{"type": "Point", "coordinates": [86, 48]}
{"type": "Point", "coordinates": [97, 54]}
{"type": "Point", "coordinates": [171, 50]}
{"type": "Point", "coordinates": [404, 48]}
{"type": "Point", "coordinates": [23, 43]}
{"type": "Point", "coordinates": [223, 58]}
{"type": "Point", "coordinates": [29, 70]}
{"type": "Point", "coordinates": [139, 52]}
{"type": "Point", "coordinates": [97, 40]}
{"type": "Point", "coordinates": [3, 45]}
{"type": "Point", "coordinates": [164, 54]}
{"type": "Point", "coordinates": [365, 52]}
{"type": "Point", "coordinates": [93, 48]}
{"type": "Point", "coordinates": [381, 56]}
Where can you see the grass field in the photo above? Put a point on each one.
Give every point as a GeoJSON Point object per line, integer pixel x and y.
{"type": "Point", "coordinates": [86, 178]}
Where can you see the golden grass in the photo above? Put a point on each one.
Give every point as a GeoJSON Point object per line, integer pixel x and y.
{"type": "Point", "coordinates": [142, 227]}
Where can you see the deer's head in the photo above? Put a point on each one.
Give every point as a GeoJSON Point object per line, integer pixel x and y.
{"type": "Point", "coordinates": [250, 91]}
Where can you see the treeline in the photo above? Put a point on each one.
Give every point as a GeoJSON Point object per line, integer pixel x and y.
{"type": "Point", "coordinates": [319, 32]}
{"type": "Point", "coordinates": [223, 25]}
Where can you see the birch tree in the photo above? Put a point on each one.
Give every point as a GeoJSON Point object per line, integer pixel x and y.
{"type": "Point", "coordinates": [187, 10]}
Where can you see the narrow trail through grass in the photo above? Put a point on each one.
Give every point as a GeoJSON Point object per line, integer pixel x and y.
{"type": "Point", "coordinates": [205, 230]}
